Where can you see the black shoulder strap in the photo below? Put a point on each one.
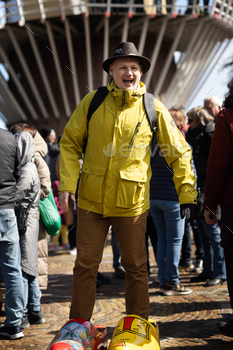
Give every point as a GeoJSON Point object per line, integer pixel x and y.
{"type": "Point", "coordinates": [98, 98]}
{"type": "Point", "coordinates": [148, 100]}
{"type": "Point", "coordinates": [149, 104]}
{"type": "Point", "coordinates": [31, 203]}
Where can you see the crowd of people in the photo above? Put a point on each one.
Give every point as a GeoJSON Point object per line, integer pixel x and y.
{"type": "Point", "coordinates": [131, 170]}
{"type": "Point", "coordinates": [153, 7]}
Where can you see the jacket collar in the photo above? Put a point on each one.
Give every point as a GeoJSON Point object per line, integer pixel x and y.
{"type": "Point", "coordinates": [125, 97]}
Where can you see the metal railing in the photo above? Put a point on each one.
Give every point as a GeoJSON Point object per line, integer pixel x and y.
{"type": "Point", "coordinates": [18, 11]}
{"type": "Point", "coordinates": [223, 9]}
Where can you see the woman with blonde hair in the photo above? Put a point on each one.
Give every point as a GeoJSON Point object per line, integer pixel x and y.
{"type": "Point", "coordinates": [199, 115]}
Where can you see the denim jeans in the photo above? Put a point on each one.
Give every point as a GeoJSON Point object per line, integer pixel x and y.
{"type": "Point", "coordinates": [213, 260]}
{"type": "Point", "coordinates": [170, 231]}
{"type": "Point", "coordinates": [10, 267]}
{"type": "Point", "coordinates": [31, 292]}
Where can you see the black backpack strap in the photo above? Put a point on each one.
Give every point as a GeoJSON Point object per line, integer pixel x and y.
{"type": "Point", "coordinates": [31, 203]}
{"type": "Point", "coordinates": [149, 104]}
{"type": "Point", "coordinates": [98, 98]}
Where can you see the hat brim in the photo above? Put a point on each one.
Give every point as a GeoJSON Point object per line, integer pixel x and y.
{"type": "Point", "coordinates": [145, 62]}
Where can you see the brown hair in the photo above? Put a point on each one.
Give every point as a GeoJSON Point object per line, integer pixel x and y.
{"type": "Point", "coordinates": [22, 127]}
{"type": "Point", "coordinates": [178, 117]}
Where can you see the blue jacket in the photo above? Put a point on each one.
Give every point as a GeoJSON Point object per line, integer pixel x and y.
{"type": "Point", "coordinates": [161, 184]}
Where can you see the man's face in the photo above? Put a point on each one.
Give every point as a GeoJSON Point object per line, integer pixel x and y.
{"type": "Point", "coordinates": [126, 73]}
{"type": "Point", "coordinates": [213, 110]}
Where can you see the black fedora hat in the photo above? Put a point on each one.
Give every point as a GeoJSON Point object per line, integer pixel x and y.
{"type": "Point", "coordinates": [127, 49]}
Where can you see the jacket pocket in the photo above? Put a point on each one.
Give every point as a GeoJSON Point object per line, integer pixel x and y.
{"type": "Point", "coordinates": [91, 182]}
{"type": "Point", "coordinates": [8, 227]}
{"type": "Point", "coordinates": [131, 188]}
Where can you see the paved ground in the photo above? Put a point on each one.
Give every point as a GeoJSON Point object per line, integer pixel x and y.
{"type": "Point", "coordinates": [188, 322]}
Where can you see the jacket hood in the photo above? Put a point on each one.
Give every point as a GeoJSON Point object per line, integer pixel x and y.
{"type": "Point", "coordinates": [41, 145]}
{"type": "Point", "coordinates": [204, 129]}
{"type": "Point", "coordinates": [125, 97]}
{"type": "Point", "coordinates": [210, 127]}
{"type": "Point", "coordinates": [26, 147]}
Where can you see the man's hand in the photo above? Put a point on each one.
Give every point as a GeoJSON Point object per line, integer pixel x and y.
{"type": "Point", "coordinates": [188, 211]}
{"type": "Point", "coordinates": [64, 200]}
{"type": "Point", "coordinates": [210, 217]}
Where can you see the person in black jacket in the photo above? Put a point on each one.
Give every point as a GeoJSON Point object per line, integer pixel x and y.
{"type": "Point", "coordinates": [199, 136]}
{"type": "Point", "coordinates": [9, 237]}
{"type": "Point", "coordinates": [49, 135]}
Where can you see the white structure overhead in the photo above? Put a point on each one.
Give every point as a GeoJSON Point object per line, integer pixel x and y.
{"type": "Point", "coordinates": [53, 50]}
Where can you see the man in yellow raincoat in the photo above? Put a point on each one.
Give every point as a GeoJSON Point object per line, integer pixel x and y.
{"type": "Point", "coordinates": [114, 184]}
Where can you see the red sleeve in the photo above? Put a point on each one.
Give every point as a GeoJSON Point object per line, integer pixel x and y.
{"type": "Point", "coordinates": [55, 194]}
{"type": "Point", "coordinates": [218, 163]}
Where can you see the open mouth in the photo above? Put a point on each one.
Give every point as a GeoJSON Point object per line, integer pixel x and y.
{"type": "Point", "coordinates": [128, 81]}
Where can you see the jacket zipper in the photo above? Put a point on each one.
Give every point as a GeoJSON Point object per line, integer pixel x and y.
{"type": "Point", "coordinates": [134, 135]}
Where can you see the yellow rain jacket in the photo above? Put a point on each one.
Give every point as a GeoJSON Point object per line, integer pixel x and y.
{"type": "Point", "coordinates": [116, 166]}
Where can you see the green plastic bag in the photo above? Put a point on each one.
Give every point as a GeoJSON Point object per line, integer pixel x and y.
{"type": "Point", "coordinates": [50, 215]}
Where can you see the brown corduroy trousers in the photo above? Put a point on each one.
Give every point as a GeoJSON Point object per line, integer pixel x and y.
{"type": "Point", "coordinates": [91, 234]}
